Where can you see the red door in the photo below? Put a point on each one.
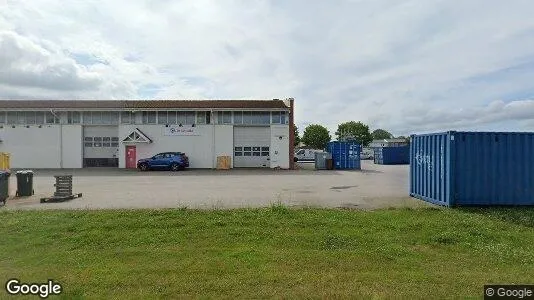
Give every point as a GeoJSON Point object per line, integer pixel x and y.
{"type": "Point", "coordinates": [130, 157]}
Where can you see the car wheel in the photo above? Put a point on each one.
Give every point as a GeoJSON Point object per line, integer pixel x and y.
{"type": "Point", "coordinates": [143, 167]}
{"type": "Point", "coordinates": [175, 167]}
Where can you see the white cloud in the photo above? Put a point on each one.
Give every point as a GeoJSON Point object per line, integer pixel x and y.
{"type": "Point", "coordinates": [412, 65]}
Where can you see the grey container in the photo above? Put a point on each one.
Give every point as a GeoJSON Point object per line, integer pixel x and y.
{"type": "Point", "coordinates": [320, 160]}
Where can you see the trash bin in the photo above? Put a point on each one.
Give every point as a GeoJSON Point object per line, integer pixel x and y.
{"type": "Point", "coordinates": [329, 164]}
{"type": "Point", "coordinates": [24, 183]}
{"type": "Point", "coordinates": [4, 186]}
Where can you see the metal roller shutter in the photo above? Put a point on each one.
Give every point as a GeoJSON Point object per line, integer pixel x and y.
{"type": "Point", "coordinates": [100, 146]}
{"type": "Point", "coordinates": [251, 147]}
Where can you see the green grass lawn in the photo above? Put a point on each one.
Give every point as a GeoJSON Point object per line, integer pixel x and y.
{"type": "Point", "coordinates": [273, 252]}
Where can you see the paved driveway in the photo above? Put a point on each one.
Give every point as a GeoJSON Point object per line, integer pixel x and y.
{"type": "Point", "coordinates": [373, 187]}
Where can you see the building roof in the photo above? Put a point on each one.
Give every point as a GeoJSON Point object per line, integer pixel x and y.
{"type": "Point", "coordinates": [390, 141]}
{"type": "Point", "coordinates": [140, 104]}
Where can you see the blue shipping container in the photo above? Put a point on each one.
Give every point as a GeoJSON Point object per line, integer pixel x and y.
{"type": "Point", "coordinates": [473, 168]}
{"type": "Point", "coordinates": [392, 155]}
{"type": "Point", "coordinates": [346, 155]}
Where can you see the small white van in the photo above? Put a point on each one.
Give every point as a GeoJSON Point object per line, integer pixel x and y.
{"type": "Point", "coordinates": [306, 154]}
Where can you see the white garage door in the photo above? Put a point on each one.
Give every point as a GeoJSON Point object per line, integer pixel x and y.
{"type": "Point", "coordinates": [100, 146]}
{"type": "Point", "coordinates": [251, 147]}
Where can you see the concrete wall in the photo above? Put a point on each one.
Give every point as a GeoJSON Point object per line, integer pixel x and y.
{"type": "Point", "coordinates": [224, 142]}
{"type": "Point", "coordinates": [36, 147]}
{"type": "Point", "coordinates": [198, 148]}
{"type": "Point", "coordinates": [280, 146]}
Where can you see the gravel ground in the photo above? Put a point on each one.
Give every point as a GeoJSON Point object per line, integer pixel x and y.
{"type": "Point", "coordinates": [373, 187]}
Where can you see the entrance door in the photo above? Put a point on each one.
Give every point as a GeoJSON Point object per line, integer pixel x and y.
{"type": "Point", "coordinates": [131, 157]}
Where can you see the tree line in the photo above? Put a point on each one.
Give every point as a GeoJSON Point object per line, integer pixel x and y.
{"type": "Point", "coordinates": [317, 136]}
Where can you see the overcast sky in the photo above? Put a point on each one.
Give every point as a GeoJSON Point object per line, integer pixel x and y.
{"type": "Point", "coordinates": [407, 66]}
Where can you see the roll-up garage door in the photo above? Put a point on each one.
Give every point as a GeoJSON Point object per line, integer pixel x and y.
{"type": "Point", "coordinates": [100, 146]}
{"type": "Point", "coordinates": [251, 147]}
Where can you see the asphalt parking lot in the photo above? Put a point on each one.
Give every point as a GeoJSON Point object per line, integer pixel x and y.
{"type": "Point", "coordinates": [375, 186]}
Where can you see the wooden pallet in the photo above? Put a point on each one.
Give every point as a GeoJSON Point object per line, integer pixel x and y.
{"type": "Point", "coordinates": [60, 198]}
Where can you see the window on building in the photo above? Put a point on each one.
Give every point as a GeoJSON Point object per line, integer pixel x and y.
{"type": "Point", "coordinates": [238, 151]}
{"type": "Point", "coordinates": [171, 117]}
{"type": "Point", "coordinates": [162, 117]}
{"type": "Point", "coordinates": [114, 117]}
{"type": "Point", "coordinates": [21, 117]}
{"type": "Point", "coordinates": [256, 151]}
{"type": "Point", "coordinates": [265, 117]}
{"type": "Point", "coordinates": [275, 117]}
{"type": "Point", "coordinates": [2, 117]}
{"type": "Point", "coordinates": [257, 117]}
{"type": "Point", "coordinates": [224, 117]}
{"type": "Point", "coordinates": [201, 117]}
{"type": "Point", "coordinates": [40, 117]}
{"type": "Point", "coordinates": [126, 117]}
{"type": "Point", "coordinates": [238, 117]}
{"type": "Point", "coordinates": [88, 139]}
{"type": "Point", "coordinates": [114, 144]}
{"type": "Point", "coordinates": [87, 118]}
{"type": "Point", "coordinates": [283, 118]}
{"type": "Point", "coordinates": [106, 117]}
{"type": "Point", "coordinates": [247, 117]}
{"type": "Point", "coordinates": [12, 117]}
{"type": "Point", "coordinates": [29, 117]}
{"type": "Point", "coordinates": [50, 118]}
{"type": "Point", "coordinates": [149, 117]}
{"type": "Point", "coordinates": [73, 117]}
{"type": "Point", "coordinates": [190, 117]}
{"type": "Point", "coordinates": [96, 117]}
{"type": "Point", "coordinates": [180, 117]}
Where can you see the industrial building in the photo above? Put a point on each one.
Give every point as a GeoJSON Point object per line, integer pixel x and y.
{"type": "Point", "coordinates": [388, 143]}
{"type": "Point", "coordinates": [116, 133]}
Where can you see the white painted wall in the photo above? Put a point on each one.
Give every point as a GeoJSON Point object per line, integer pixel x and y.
{"type": "Point", "coordinates": [224, 142]}
{"type": "Point", "coordinates": [280, 146]}
{"type": "Point", "coordinates": [72, 146]}
{"type": "Point", "coordinates": [36, 148]}
{"type": "Point", "coordinates": [31, 147]}
{"type": "Point", "coordinates": [198, 148]}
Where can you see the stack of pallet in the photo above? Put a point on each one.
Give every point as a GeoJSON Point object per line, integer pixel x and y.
{"type": "Point", "coordinates": [63, 186]}
{"type": "Point", "coordinates": [223, 162]}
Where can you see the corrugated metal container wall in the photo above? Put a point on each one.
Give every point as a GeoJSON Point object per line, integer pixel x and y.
{"type": "Point", "coordinates": [346, 155]}
{"type": "Point", "coordinates": [473, 168]}
{"type": "Point", "coordinates": [392, 155]}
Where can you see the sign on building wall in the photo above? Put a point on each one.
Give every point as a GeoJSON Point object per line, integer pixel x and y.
{"type": "Point", "coordinates": [180, 131]}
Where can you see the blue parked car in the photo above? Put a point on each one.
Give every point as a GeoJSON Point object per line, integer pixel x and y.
{"type": "Point", "coordinates": [173, 161]}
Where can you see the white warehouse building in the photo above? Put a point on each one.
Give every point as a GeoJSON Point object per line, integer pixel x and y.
{"type": "Point", "coordinates": [116, 133]}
